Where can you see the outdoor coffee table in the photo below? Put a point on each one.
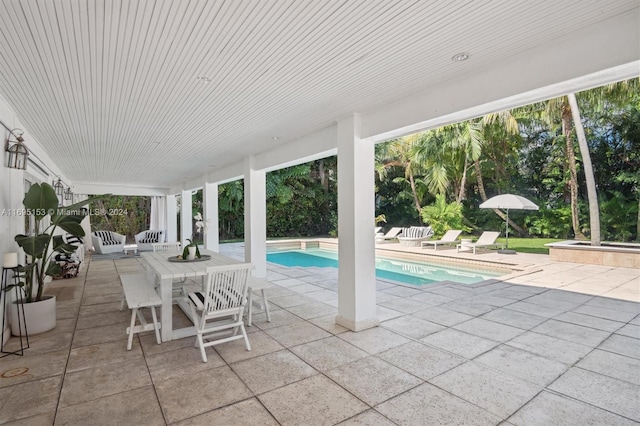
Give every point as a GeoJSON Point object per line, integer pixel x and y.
{"type": "Point", "coordinates": [130, 247]}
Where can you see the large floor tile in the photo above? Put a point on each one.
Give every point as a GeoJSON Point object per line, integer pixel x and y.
{"type": "Point", "coordinates": [272, 371]}
{"type": "Point", "coordinates": [460, 343]}
{"type": "Point", "coordinates": [499, 394]}
{"type": "Point", "coordinates": [98, 382]}
{"type": "Point", "coordinates": [368, 418]}
{"type": "Point", "coordinates": [523, 365]}
{"type": "Point", "coordinates": [102, 354]}
{"type": "Point", "coordinates": [426, 404]}
{"type": "Point", "coordinates": [489, 329]}
{"type": "Point", "coordinates": [313, 310]}
{"type": "Point", "coordinates": [328, 353]}
{"type": "Point", "coordinates": [20, 369]}
{"type": "Point", "coordinates": [602, 391]}
{"type": "Point", "coordinates": [572, 332]}
{"type": "Point", "coordinates": [622, 345]}
{"type": "Point", "coordinates": [606, 313]}
{"type": "Point", "coordinates": [612, 365]}
{"type": "Point", "coordinates": [297, 333]}
{"type": "Point", "coordinates": [182, 362]}
{"type": "Point", "coordinates": [135, 407]}
{"type": "Point", "coordinates": [550, 409]}
{"type": "Point", "coordinates": [589, 321]}
{"type": "Point", "coordinates": [411, 326]}
{"type": "Point", "coordinates": [442, 316]}
{"type": "Point", "coordinates": [185, 397]}
{"type": "Point", "coordinates": [312, 401]}
{"type": "Point", "coordinates": [234, 351]}
{"type": "Point", "coordinates": [373, 380]}
{"type": "Point", "coordinates": [550, 347]}
{"type": "Point", "coordinates": [514, 318]}
{"type": "Point", "coordinates": [40, 395]}
{"type": "Point", "coordinates": [374, 340]}
{"type": "Point", "coordinates": [244, 413]}
{"type": "Point", "coordinates": [328, 323]}
{"type": "Point", "coordinates": [421, 360]}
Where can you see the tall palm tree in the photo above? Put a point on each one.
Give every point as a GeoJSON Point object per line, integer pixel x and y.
{"type": "Point", "coordinates": [594, 212]}
{"type": "Point", "coordinates": [559, 108]}
{"type": "Point", "coordinates": [400, 152]}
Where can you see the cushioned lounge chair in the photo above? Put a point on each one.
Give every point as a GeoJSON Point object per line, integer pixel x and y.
{"type": "Point", "coordinates": [107, 241]}
{"type": "Point", "coordinates": [450, 238]}
{"type": "Point", "coordinates": [487, 239]}
{"type": "Point", "coordinates": [145, 239]}
{"type": "Point", "coordinates": [415, 235]}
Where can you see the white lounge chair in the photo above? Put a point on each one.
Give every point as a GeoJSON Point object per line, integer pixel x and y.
{"type": "Point", "coordinates": [487, 239]}
{"type": "Point", "coordinates": [450, 238]}
{"type": "Point", "coordinates": [107, 241]}
{"type": "Point", "coordinates": [391, 235]}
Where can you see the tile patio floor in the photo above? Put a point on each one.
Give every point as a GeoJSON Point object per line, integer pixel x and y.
{"type": "Point", "coordinates": [525, 351]}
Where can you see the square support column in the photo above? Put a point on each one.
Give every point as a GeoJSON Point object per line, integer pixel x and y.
{"type": "Point", "coordinates": [356, 210]}
{"type": "Point", "coordinates": [210, 215]}
{"type": "Point", "coordinates": [172, 219]}
{"type": "Point", "coordinates": [255, 218]}
{"type": "Point", "coordinates": [186, 217]}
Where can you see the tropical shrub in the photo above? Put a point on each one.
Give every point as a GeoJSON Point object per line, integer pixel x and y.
{"type": "Point", "coordinates": [443, 216]}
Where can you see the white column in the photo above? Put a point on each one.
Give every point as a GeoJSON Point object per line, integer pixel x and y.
{"type": "Point", "coordinates": [255, 218]}
{"type": "Point", "coordinates": [356, 255]}
{"type": "Point", "coordinates": [210, 201]}
{"type": "Point", "coordinates": [186, 217]}
{"type": "Point", "coordinates": [172, 219]}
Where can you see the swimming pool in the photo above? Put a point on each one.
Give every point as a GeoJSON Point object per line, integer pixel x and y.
{"type": "Point", "coordinates": [404, 271]}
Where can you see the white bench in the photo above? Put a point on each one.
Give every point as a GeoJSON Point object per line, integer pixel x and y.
{"type": "Point", "coordinates": [254, 284]}
{"type": "Point", "coordinates": [139, 293]}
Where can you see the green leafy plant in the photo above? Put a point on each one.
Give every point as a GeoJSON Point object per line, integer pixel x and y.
{"type": "Point", "coordinates": [442, 216]}
{"type": "Point", "coordinates": [41, 202]}
{"type": "Point", "coordinates": [192, 243]}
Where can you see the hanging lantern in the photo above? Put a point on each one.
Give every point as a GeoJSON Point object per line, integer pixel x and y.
{"type": "Point", "coordinates": [17, 151]}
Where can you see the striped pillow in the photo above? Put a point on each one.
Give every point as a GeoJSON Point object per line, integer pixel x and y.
{"type": "Point", "coordinates": [151, 237]}
{"type": "Point", "coordinates": [106, 237]}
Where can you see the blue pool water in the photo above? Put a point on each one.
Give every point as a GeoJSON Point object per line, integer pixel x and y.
{"type": "Point", "coordinates": [403, 271]}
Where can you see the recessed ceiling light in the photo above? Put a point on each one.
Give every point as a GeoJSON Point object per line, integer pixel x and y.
{"type": "Point", "coordinates": [203, 78]}
{"type": "Point", "coordinates": [274, 138]}
{"type": "Point", "coordinates": [460, 57]}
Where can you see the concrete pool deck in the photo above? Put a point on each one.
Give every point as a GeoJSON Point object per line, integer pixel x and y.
{"type": "Point", "coordinates": [537, 349]}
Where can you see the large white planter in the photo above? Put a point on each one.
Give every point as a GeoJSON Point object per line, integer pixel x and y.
{"type": "Point", "coordinates": [39, 316]}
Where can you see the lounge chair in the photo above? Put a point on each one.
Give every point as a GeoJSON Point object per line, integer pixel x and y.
{"type": "Point", "coordinates": [391, 235]}
{"type": "Point", "coordinates": [487, 239]}
{"type": "Point", "coordinates": [450, 238]}
{"type": "Point", "coordinates": [107, 241]}
{"type": "Point", "coordinates": [415, 235]}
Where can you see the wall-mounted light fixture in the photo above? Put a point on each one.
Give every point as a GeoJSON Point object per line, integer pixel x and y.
{"type": "Point", "coordinates": [68, 195]}
{"type": "Point", "coordinates": [59, 188]}
{"type": "Point", "coordinates": [17, 151]}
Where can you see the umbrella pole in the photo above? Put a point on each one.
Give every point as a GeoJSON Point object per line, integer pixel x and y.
{"type": "Point", "coordinates": [507, 230]}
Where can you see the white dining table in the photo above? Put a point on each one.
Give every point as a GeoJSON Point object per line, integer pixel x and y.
{"type": "Point", "coordinates": [160, 267]}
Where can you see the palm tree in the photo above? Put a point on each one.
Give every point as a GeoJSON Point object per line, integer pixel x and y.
{"type": "Point", "coordinates": [400, 153]}
{"type": "Point", "coordinates": [559, 108]}
{"type": "Point", "coordinates": [594, 212]}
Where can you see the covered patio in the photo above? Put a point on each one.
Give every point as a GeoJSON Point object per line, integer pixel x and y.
{"type": "Point", "coordinates": [533, 350]}
{"type": "Point", "coordinates": [162, 98]}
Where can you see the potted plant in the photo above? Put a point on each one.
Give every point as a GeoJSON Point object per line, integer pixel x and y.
{"type": "Point", "coordinates": [41, 202]}
{"type": "Point", "coordinates": [191, 250]}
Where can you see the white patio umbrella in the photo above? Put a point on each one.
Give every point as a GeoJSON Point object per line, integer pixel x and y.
{"type": "Point", "coordinates": [506, 202]}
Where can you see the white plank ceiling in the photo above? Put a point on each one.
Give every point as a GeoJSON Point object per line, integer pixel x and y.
{"type": "Point", "coordinates": [112, 89]}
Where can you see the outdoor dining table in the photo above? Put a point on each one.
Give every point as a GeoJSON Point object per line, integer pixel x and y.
{"type": "Point", "coordinates": [160, 267]}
